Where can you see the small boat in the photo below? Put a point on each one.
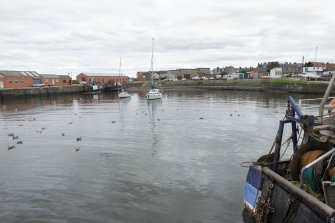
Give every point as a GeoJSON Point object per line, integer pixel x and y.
{"type": "Point", "coordinates": [94, 90]}
{"type": "Point", "coordinates": [153, 93]}
{"type": "Point", "coordinates": [124, 94]}
{"type": "Point", "coordinates": [300, 188]}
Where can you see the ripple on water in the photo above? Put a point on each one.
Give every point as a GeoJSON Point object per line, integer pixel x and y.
{"type": "Point", "coordinates": [175, 160]}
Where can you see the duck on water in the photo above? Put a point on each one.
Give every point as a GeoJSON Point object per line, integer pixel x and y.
{"type": "Point", "coordinates": [300, 188]}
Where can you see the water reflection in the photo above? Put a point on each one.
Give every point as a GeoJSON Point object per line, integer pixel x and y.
{"type": "Point", "coordinates": [142, 159]}
{"type": "Point", "coordinates": [153, 106]}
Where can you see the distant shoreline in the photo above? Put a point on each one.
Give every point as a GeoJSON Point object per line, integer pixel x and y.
{"type": "Point", "coordinates": [272, 86]}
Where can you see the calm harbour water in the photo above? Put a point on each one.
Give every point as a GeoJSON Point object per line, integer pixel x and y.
{"type": "Point", "coordinates": [175, 160]}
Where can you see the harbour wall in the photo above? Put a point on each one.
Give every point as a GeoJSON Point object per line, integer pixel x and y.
{"type": "Point", "coordinates": [309, 87]}
{"type": "Point", "coordinates": [289, 86]}
{"type": "Point", "coordinates": [286, 85]}
{"type": "Point", "coordinates": [36, 91]}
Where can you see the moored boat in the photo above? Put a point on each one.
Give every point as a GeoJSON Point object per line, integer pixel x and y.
{"type": "Point", "coordinates": [302, 187]}
{"type": "Point", "coordinates": [94, 89]}
{"type": "Point", "coordinates": [154, 92]}
{"type": "Point", "coordinates": [124, 94]}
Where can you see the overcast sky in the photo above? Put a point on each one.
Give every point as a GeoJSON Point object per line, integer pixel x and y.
{"type": "Point", "coordinates": [73, 36]}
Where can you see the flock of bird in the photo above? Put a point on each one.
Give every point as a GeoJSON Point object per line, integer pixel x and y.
{"type": "Point", "coordinates": [14, 137]}
{"type": "Point", "coordinates": [231, 114]}
{"type": "Point", "coordinates": [18, 142]}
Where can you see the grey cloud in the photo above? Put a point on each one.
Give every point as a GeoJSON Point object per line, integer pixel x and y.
{"type": "Point", "coordinates": [63, 36]}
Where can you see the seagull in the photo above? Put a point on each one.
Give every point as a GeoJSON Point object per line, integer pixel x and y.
{"type": "Point", "coordinates": [15, 137]}
{"type": "Point", "coordinates": [43, 128]}
{"type": "Point", "coordinates": [11, 147]}
{"type": "Point", "coordinates": [201, 118]}
{"type": "Point", "coordinates": [19, 142]}
{"type": "Point", "coordinates": [113, 121]}
{"type": "Point", "coordinates": [158, 119]}
{"type": "Point", "coordinates": [63, 134]}
{"type": "Point", "coordinates": [11, 134]}
{"type": "Point", "coordinates": [77, 149]}
{"type": "Point", "coordinates": [231, 114]}
{"type": "Point", "coordinates": [78, 139]}
{"type": "Point", "coordinates": [70, 123]}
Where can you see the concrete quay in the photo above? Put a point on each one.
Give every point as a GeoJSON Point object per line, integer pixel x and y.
{"type": "Point", "coordinates": [40, 91]}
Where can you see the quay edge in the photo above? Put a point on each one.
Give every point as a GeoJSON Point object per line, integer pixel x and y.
{"type": "Point", "coordinates": [289, 86]}
{"type": "Point", "coordinates": [40, 91]}
{"type": "Point", "coordinates": [275, 85]}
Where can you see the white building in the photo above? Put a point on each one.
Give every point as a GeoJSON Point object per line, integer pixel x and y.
{"type": "Point", "coordinates": [276, 72]}
{"type": "Point", "coordinates": [171, 76]}
{"type": "Point", "coordinates": [313, 69]}
{"type": "Point", "coordinates": [155, 76]}
{"type": "Point", "coordinates": [233, 76]}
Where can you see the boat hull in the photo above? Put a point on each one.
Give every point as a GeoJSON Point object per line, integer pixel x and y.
{"type": "Point", "coordinates": [268, 197]}
{"type": "Point", "coordinates": [92, 92]}
{"type": "Point", "coordinates": [124, 95]}
{"type": "Point", "coordinates": [153, 96]}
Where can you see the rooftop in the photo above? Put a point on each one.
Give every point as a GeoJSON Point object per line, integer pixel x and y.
{"type": "Point", "coordinates": [102, 74]}
{"type": "Point", "coordinates": [12, 73]}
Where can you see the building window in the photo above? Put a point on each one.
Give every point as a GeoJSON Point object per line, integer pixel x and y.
{"type": "Point", "coordinates": [22, 82]}
{"type": "Point", "coordinates": [64, 81]}
{"type": "Point", "coordinates": [10, 82]}
{"type": "Point", "coordinates": [16, 81]}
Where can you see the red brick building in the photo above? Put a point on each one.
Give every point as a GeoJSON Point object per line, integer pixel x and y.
{"type": "Point", "coordinates": [143, 76]}
{"type": "Point", "coordinates": [19, 79]}
{"type": "Point", "coordinates": [102, 78]}
{"type": "Point", "coordinates": [56, 80]}
{"type": "Point", "coordinates": [24, 79]}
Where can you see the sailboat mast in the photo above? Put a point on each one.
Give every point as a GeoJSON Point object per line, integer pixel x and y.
{"type": "Point", "coordinates": [119, 84]}
{"type": "Point", "coordinates": [316, 51]}
{"type": "Point", "coordinates": [152, 64]}
{"type": "Point", "coordinates": [120, 68]}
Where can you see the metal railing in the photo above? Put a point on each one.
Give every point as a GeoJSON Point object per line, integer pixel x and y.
{"type": "Point", "coordinates": [320, 104]}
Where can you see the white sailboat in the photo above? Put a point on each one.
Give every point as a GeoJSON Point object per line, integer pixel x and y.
{"type": "Point", "coordinates": [123, 93]}
{"type": "Point", "coordinates": [153, 93]}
